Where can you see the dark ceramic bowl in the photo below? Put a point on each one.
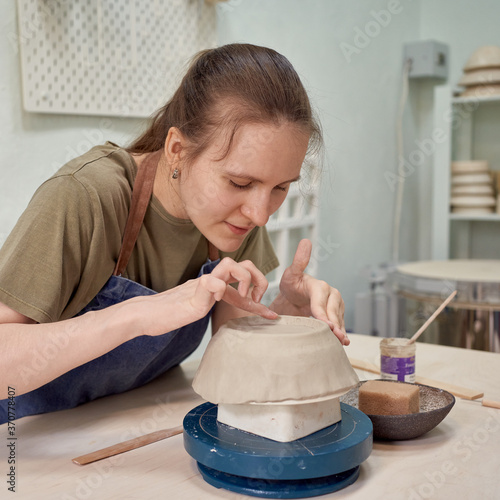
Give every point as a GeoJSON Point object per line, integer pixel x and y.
{"type": "Point", "coordinates": [435, 404]}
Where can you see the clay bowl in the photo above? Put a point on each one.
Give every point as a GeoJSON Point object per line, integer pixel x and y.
{"type": "Point", "coordinates": [289, 360]}
{"type": "Point", "coordinates": [435, 404]}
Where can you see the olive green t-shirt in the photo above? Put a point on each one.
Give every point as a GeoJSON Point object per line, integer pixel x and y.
{"type": "Point", "coordinates": [65, 245]}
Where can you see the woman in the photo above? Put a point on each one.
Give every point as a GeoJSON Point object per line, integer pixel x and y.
{"type": "Point", "coordinates": [80, 316]}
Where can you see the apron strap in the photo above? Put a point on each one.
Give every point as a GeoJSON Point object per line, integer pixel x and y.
{"type": "Point", "coordinates": [141, 195]}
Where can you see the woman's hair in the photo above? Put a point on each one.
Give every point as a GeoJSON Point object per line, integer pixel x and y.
{"type": "Point", "coordinates": [230, 86]}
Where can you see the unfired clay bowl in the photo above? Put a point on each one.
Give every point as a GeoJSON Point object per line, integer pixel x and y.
{"type": "Point", "coordinates": [291, 360]}
{"type": "Point", "coordinates": [435, 404]}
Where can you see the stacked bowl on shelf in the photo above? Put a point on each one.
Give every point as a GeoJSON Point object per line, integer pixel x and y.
{"type": "Point", "coordinates": [472, 191]}
{"type": "Point", "coordinates": [481, 76]}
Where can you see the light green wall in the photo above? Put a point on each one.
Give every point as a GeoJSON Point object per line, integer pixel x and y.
{"type": "Point", "coordinates": [356, 99]}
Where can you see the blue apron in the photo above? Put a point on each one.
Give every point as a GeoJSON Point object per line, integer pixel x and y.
{"type": "Point", "coordinates": [135, 362]}
{"type": "Point", "coordinates": [129, 365]}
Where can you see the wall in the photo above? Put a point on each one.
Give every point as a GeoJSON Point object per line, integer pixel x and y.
{"type": "Point", "coordinates": [464, 26]}
{"type": "Point", "coordinates": [355, 91]}
{"type": "Point", "coordinates": [354, 81]}
{"type": "Point", "coordinates": [33, 146]}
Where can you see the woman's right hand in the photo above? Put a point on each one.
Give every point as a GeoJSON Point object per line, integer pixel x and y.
{"type": "Point", "coordinates": [193, 300]}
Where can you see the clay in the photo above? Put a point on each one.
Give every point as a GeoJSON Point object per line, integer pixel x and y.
{"type": "Point", "coordinates": [291, 360]}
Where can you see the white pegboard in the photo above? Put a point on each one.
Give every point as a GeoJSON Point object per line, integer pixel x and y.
{"type": "Point", "coordinates": [108, 57]}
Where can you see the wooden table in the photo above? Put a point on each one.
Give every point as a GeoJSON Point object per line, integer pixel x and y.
{"type": "Point", "coordinates": [459, 459]}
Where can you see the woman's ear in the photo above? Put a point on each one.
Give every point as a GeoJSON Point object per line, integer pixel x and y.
{"type": "Point", "coordinates": [174, 145]}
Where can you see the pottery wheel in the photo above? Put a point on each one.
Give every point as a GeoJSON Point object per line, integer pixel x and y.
{"type": "Point", "coordinates": [320, 463]}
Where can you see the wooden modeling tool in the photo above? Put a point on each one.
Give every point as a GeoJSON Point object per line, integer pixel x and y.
{"type": "Point", "coordinates": [131, 444]}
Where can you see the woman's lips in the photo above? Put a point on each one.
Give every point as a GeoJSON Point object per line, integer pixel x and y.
{"type": "Point", "coordinates": [237, 229]}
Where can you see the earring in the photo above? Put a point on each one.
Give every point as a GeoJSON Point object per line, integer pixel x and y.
{"type": "Point", "coordinates": [175, 173]}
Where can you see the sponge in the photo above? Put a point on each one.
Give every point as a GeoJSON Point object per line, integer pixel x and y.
{"type": "Point", "coordinates": [377, 397]}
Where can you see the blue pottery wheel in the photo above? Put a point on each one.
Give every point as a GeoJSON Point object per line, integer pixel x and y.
{"type": "Point", "coordinates": [320, 463]}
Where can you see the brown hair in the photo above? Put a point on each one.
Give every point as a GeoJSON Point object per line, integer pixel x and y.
{"type": "Point", "coordinates": [259, 84]}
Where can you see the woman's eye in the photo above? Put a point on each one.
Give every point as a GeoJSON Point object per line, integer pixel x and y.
{"type": "Point", "coordinates": [239, 186]}
{"type": "Point", "coordinates": [281, 188]}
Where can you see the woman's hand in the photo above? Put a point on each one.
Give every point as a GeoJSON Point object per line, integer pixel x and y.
{"type": "Point", "coordinates": [192, 300]}
{"type": "Point", "coordinates": [303, 295]}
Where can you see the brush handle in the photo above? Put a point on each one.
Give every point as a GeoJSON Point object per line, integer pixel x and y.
{"type": "Point", "coordinates": [131, 444]}
{"type": "Point", "coordinates": [432, 318]}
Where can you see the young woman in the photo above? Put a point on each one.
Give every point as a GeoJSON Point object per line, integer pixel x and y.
{"type": "Point", "coordinates": [123, 245]}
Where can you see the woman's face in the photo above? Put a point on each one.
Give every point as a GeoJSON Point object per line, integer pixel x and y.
{"type": "Point", "coordinates": [227, 198]}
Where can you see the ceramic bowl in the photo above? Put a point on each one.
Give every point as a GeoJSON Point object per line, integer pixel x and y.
{"type": "Point", "coordinates": [480, 77]}
{"type": "Point", "coordinates": [487, 56]}
{"type": "Point", "coordinates": [435, 404]}
{"type": "Point", "coordinates": [472, 210]}
{"type": "Point", "coordinates": [483, 178]}
{"type": "Point", "coordinates": [473, 189]}
{"type": "Point", "coordinates": [479, 91]}
{"type": "Point", "coordinates": [469, 167]}
{"type": "Point", "coordinates": [290, 360]}
{"type": "Point", "coordinates": [473, 201]}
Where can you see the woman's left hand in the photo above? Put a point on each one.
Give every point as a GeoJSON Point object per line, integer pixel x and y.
{"type": "Point", "coordinates": [303, 295]}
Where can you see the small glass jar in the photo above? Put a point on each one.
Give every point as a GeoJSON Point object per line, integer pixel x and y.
{"type": "Point", "coordinates": [397, 359]}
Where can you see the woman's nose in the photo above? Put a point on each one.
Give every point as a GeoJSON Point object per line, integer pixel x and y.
{"type": "Point", "coordinates": [257, 210]}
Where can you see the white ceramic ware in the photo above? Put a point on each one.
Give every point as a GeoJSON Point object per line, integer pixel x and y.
{"type": "Point", "coordinates": [473, 201]}
{"type": "Point", "coordinates": [480, 77]}
{"type": "Point", "coordinates": [472, 210]}
{"type": "Point", "coordinates": [483, 178]}
{"type": "Point", "coordinates": [479, 91]}
{"type": "Point", "coordinates": [487, 56]}
{"type": "Point", "coordinates": [282, 423]}
{"type": "Point", "coordinates": [469, 167]}
{"type": "Point", "coordinates": [472, 189]}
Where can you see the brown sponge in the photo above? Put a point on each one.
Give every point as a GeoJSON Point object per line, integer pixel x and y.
{"type": "Point", "coordinates": [378, 397]}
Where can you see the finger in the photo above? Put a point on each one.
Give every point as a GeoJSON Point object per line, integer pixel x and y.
{"type": "Point", "coordinates": [246, 273]}
{"type": "Point", "coordinates": [335, 308]}
{"type": "Point", "coordinates": [302, 257]}
{"type": "Point", "coordinates": [247, 304]}
{"type": "Point", "coordinates": [328, 306]}
{"type": "Point", "coordinates": [319, 292]}
{"type": "Point", "coordinates": [259, 281]}
{"type": "Point", "coordinates": [209, 289]}
{"type": "Point", "coordinates": [230, 271]}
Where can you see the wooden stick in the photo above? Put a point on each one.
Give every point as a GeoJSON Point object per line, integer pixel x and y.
{"type": "Point", "coordinates": [364, 365]}
{"type": "Point", "coordinates": [461, 392]}
{"type": "Point", "coordinates": [131, 444]}
{"type": "Point", "coordinates": [490, 403]}
{"type": "Point", "coordinates": [432, 318]}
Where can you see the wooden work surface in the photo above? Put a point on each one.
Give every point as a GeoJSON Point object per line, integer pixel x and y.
{"type": "Point", "coordinates": [459, 459]}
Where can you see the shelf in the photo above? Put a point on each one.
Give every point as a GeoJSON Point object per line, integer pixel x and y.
{"type": "Point", "coordinates": [456, 118]}
{"type": "Point", "coordinates": [482, 218]}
